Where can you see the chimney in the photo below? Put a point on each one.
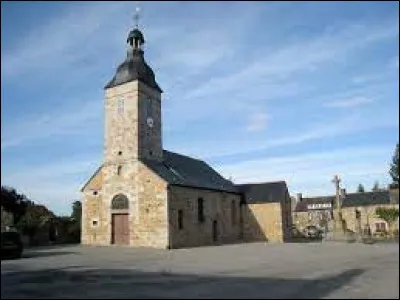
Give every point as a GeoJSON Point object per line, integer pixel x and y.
{"type": "Point", "coordinates": [342, 193]}
{"type": "Point", "coordinates": [299, 197]}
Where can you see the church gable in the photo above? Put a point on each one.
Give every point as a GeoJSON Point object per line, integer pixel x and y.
{"type": "Point", "coordinates": [95, 182]}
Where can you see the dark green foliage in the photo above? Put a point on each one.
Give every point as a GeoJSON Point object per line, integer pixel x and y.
{"type": "Point", "coordinates": [74, 227]}
{"type": "Point", "coordinates": [36, 220]}
{"type": "Point", "coordinates": [388, 214]}
{"type": "Point", "coordinates": [14, 202]}
{"type": "Point", "coordinates": [394, 167]}
{"type": "Point", "coordinates": [376, 187]}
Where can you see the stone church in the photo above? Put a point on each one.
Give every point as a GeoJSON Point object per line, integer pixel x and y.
{"type": "Point", "coordinates": [143, 195]}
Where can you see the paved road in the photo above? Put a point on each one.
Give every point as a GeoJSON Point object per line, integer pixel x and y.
{"type": "Point", "coordinates": [327, 270]}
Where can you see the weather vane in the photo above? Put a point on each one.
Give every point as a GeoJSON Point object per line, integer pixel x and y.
{"type": "Point", "coordinates": [136, 16]}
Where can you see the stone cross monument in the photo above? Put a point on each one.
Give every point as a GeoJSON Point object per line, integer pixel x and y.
{"type": "Point", "coordinates": [339, 232]}
{"type": "Point", "coordinates": [336, 180]}
{"type": "Point", "coordinates": [337, 212]}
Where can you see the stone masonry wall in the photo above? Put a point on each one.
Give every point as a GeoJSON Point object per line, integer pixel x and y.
{"type": "Point", "coordinates": [151, 223]}
{"type": "Point", "coordinates": [318, 218]}
{"type": "Point", "coordinates": [368, 216]}
{"type": "Point", "coordinates": [217, 206]}
{"type": "Point", "coordinates": [126, 134]}
{"type": "Point", "coordinates": [147, 209]}
{"type": "Point", "coordinates": [263, 222]}
{"type": "Point", "coordinates": [94, 221]}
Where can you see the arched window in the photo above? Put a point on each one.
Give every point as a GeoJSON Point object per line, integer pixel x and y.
{"type": "Point", "coordinates": [120, 202]}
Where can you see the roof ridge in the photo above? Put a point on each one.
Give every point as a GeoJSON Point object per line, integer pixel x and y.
{"type": "Point", "coordinates": [347, 194]}
{"type": "Point", "coordinates": [183, 155]}
{"type": "Point", "coordinates": [369, 192]}
{"type": "Point", "coordinates": [261, 183]}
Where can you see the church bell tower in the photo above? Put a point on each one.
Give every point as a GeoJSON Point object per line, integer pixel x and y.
{"type": "Point", "coordinates": [133, 109]}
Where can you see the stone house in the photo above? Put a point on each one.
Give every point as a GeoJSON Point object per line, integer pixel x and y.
{"type": "Point", "coordinates": [358, 210]}
{"type": "Point", "coordinates": [143, 195]}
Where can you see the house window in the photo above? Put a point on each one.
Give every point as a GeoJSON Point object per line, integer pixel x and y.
{"type": "Point", "coordinates": [119, 170]}
{"type": "Point", "coordinates": [200, 210]}
{"type": "Point", "coordinates": [95, 193]}
{"type": "Point", "coordinates": [380, 227]}
{"type": "Point", "coordinates": [119, 152]}
{"type": "Point", "coordinates": [233, 211]}
{"type": "Point", "coordinates": [180, 219]}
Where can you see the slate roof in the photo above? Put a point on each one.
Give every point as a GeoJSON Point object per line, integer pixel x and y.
{"type": "Point", "coordinates": [267, 192]}
{"type": "Point", "coordinates": [134, 68]}
{"type": "Point", "coordinates": [366, 198]}
{"type": "Point", "coordinates": [178, 169]}
{"type": "Point", "coordinates": [352, 200]}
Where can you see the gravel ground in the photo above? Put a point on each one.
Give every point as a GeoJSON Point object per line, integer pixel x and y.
{"type": "Point", "coordinates": [312, 270]}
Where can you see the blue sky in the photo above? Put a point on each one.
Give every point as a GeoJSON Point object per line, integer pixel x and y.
{"type": "Point", "coordinates": [263, 91]}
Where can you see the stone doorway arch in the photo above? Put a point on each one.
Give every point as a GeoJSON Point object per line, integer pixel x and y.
{"type": "Point", "coordinates": [120, 220]}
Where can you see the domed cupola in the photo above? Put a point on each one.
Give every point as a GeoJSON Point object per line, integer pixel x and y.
{"type": "Point", "coordinates": [134, 67]}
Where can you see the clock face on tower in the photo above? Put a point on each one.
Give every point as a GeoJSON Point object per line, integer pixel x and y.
{"type": "Point", "coordinates": [150, 122]}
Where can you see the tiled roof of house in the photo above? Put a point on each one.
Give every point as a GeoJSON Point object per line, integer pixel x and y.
{"type": "Point", "coordinates": [366, 198]}
{"type": "Point", "coordinates": [178, 169]}
{"type": "Point", "coordinates": [264, 192]}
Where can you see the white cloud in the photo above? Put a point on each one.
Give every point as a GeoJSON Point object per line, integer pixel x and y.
{"type": "Point", "coordinates": [365, 78]}
{"type": "Point", "coordinates": [50, 124]}
{"type": "Point", "coordinates": [60, 41]}
{"type": "Point", "coordinates": [55, 185]}
{"type": "Point", "coordinates": [285, 62]}
{"type": "Point", "coordinates": [349, 102]}
{"type": "Point", "coordinates": [257, 122]}
{"type": "Point", "coordinates": [214, 149]}
{"type": "Point", "coordinates": [311, 173]}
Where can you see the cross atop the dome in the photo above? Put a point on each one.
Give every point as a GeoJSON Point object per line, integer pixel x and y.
{"type": "Point", "coordinates": [136, 15]}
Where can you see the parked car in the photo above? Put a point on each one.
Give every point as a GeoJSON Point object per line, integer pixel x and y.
{"type": "Point", "coordinates": [11, 245]}
{"type": "Point", "coordinates": [312, 232]}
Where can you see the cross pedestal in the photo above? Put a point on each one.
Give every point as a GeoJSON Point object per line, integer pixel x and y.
{"type": "Point", "coordinates": [339, 231]}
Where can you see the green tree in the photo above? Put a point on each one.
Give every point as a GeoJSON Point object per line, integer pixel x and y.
{"type": "Point", "coordinates": [387, 214]}
{"type": "Point", "coordinates": [35, 217]}
{"type": "Point", "coordinates": [74, 226]}
{"type": "Point", "coordinates": [360, 188]}
{"type": "Point", "coordinates": [76, 214]}
{"type": "Point", "coordinates": [394, 167]}
{"type": "Point", "coordinates": [376, 187]}
{"type": "Point", "coordinates": [14, 202]}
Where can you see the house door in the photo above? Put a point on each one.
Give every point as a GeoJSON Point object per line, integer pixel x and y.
{"type": "Point", "coordinates": [215, 230]}
{"type": "Point", "coordinates": [120, 229]}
